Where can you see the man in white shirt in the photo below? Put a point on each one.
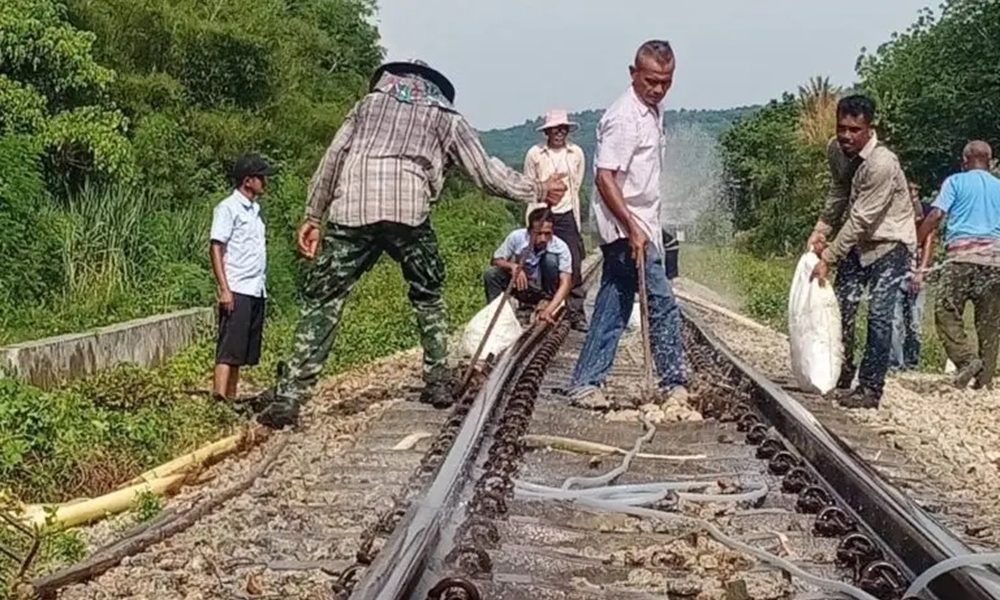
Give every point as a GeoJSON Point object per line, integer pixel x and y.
{"type": "Point", "coordinates": [239, 261]}
{"type": "Point", "coordinates": [558, 155]}
{"type": "Point", "coordinates": [628, 161]}
{"type": "Point", "coordinates": [540, 264]}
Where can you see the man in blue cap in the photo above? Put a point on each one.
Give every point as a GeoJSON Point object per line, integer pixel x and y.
{"type": "Point", "coordinates": [238, 254]}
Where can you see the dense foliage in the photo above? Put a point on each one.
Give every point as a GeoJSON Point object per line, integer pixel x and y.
{"type": "Point", "coordinates": [118, 122]}
{"type": "Point", "coordinates": [938, 86]}
{"type": "Point", "coordinates": [776, 178]}
{"type": "Point", "coordinates": [89, 436]}
{"type": "Point", "coordinates": [114, 147]}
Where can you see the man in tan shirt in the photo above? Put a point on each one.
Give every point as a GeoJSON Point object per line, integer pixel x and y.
{"type": "Point", "coordinates": [869, 201]}
{"type": "Point", "coordinates": [557, 155]}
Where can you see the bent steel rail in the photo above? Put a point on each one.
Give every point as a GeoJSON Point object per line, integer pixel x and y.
{"type": "Point", "coordinates": [398, 565]}
{"type": "Point", "coordinates": [910, 537]}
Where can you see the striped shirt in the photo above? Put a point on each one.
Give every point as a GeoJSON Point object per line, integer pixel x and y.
{"type": "Point", "coordinates": [388, 161]}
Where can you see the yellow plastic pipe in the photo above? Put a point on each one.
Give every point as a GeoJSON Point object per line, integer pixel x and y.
{"type": "Point", "coordinates": [160, 480]}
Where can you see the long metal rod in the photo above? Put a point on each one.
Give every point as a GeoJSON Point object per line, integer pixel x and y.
{"type": "Point", "coordinates": [917, 540]}
{"type": "Point", "coordinates": [647, 351]}
{"type": "Point", "coordinates": [489, 328]}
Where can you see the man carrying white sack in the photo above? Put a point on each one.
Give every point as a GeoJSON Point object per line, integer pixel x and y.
{"type": "Point", "coordinates": [870, 201]}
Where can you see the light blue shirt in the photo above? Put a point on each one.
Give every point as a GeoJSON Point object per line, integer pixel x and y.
{"type": "Point", "coordinates": [236, 223]}
{"type": "Point", "coordinates": [519, 240]}
{"type": "Point", "coordinates": [971, 201]}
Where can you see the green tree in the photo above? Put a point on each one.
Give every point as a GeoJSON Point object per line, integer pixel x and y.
{"type": "Point", "coordinates": [52, 87]}
{"type": "Point", "coordinates": [775, 178]}
{"type": "Point", "coordinates": [937, 85]}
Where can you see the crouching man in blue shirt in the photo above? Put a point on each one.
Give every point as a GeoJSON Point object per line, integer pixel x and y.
{"type": "Point", "coordinates": [539, 263]}
{"type": "Point", "coordinates": [239, 262]}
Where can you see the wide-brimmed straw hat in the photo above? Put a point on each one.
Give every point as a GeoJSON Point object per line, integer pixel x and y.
{"type": "Point", "coordinates": [555, 118]}
{"type": "Point", "coordinates": [415, 67]}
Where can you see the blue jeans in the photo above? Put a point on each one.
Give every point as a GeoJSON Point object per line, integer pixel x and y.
{"type": "Point", "coordinates": [883, 279]}
{"type": "Point", "coordinates": [612, 309]}
{"type": "Point", "coordinates": [906, 322]}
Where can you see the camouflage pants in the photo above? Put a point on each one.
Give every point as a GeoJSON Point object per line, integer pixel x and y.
{"type": "Point", "coordinates": [346, 254]}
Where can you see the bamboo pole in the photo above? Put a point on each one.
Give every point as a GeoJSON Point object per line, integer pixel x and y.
{"type": "Point", "coordinates": [150, 533]}
{"type": "Point", "coordinates": [160, 480]}
{"type": "Point", "coordinates": [203, 456]}
{"type": "Point", "coordinates": [65, 516]}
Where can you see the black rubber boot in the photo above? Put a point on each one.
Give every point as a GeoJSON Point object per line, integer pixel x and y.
{"type": "Point", "coordinates": [280, 414]}
{"type": "Point", "coordinates": [860, 398]}
{"type": "Point", "coordinates": [578, 321]}
{"type": "Point", "coordinates": [438, 394]}
{"type": "Point", "coordinates": [846, 379]}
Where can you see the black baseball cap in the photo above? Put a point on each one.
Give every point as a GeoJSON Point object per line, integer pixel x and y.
{"type": "Point", "coordinates": [250, 165]}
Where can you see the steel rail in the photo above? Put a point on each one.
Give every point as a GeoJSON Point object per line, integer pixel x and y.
{"type": "Point", "coordinates": [909, 536]}
{"type": "Point", "coordinates": [397, 568]}
{"type": "Point", "coordinates": [915, 539]}
{"type": "Point", "coordinates": [398, 565]}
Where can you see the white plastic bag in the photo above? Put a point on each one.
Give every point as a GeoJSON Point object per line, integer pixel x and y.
{"type": "Point", "coordinates": [505, 332]}
{"type": "Point", "coordinates": [814, 330]}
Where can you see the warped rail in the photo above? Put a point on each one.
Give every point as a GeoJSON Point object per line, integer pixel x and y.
{"type": "Point", "coordinates": [441, 548]}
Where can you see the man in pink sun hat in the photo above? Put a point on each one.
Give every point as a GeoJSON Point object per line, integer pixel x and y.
{"type": "Point", "coordinates": [558, 155]}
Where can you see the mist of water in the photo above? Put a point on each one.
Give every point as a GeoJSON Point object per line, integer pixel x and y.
{"type": "Point", "coordinates": [692, 185]}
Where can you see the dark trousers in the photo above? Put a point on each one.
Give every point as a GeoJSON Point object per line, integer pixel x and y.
{"type": "Point", "coordinates": [979, 284]}
{"type": "Point", "coordinates": [906, 327]}
{"type": "Point", "coordinates": [542, 282]}
{"type": "Point", "coordinates": [564, 227]}
{"type": "Point", "coordinates": [882, 280]}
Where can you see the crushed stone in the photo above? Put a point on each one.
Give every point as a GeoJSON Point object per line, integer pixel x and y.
{"type": "Point", "coordinates": [232, 552]}
{"type": "Point", "coordinates": [952, 435]}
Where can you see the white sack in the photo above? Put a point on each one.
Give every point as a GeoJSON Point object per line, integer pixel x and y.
{"type": "Point", "coordinates": [814, 330]}
{"type": "Point", "coordinates": [505, 332]}
{"type": "Point", "coordinates": [635, 321]}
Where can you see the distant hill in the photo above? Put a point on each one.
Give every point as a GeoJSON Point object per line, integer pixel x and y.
{"type": "Point", "coordinates": [510, 144]}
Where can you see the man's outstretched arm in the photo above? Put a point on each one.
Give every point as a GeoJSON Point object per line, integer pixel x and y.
{"type": "Point", "coordinates": [495, 177]}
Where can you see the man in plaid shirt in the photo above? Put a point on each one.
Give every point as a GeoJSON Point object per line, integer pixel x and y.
{"type": "Point", "coordinates": [374, 188]}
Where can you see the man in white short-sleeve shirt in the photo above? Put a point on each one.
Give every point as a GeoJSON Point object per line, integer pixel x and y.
{"type": "Point", "coordinates": [239, 261]}
{"type": "Point", "coordinates": [540, 264]}
{"type": "Point", "coordinates": [626, 200]}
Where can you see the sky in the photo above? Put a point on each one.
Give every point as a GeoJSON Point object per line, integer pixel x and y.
{"type": "Point", "coordinates": [510, 60]}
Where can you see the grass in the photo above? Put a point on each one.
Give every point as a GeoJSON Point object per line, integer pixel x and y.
{"type": "Point", "coordinates": [759, 287]}
{"type": "Point", "coordinates": [88, 437]}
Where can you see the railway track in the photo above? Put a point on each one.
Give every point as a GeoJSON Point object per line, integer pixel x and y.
{"type": "Point", "coordinates": [723, 506]}
{"type": "Point", "coordinates": [504, 497]}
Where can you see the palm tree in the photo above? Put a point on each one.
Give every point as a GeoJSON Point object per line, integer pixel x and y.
{"type": "Point", "coordinates": [818, 110]}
